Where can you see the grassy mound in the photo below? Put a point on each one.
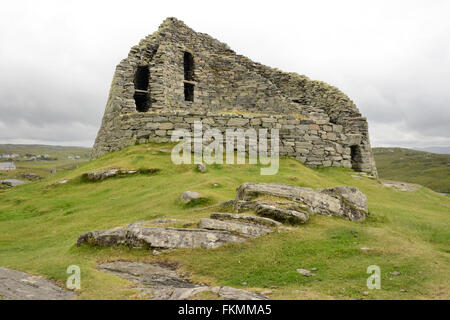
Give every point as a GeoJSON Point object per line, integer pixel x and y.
{"type": "Point", "coordinates": [406, 232]}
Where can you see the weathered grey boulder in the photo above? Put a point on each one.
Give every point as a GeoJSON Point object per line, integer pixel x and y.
{"type": "Point", "coordinates": [245, 218]}
{"type": "Point", "coordinates": [306, 272]}
{"type": "Point", "coordinates": [17, 285]}
{"type": "Point", "coordinates": [188, 196]}
{"type": "Point", "coordinates": [201, 167]}
{"type": "Point", "coordinates": [346, 202]}
{"type": "Point", "coordinates": [351, 195]}
{"type": "Point", "coordinates": [107, 238]}
{"type": "Point", "coordinates": [138, 235]}
{"type": "Point", "coordinates": [244, 228]}
{"type": "Point", "coordinates": [282, 215]}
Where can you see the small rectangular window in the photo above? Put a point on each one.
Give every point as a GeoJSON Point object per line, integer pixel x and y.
{"type": "Point", "coordinates": [141, 78]}
{"type": "Point", "coordinates": [188, 66]}
{"type": "Point", "coordinates": [142, 101]}
{"type": "Point", "coordinates": [188, 92]}
{"type": "Point", "coordinates": [141, 84]}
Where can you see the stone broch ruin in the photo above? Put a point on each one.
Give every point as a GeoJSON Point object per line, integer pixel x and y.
{"type": "Point", "coordinates": [176, 76]}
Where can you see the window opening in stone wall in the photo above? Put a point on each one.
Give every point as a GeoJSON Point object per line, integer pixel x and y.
{"type": "Point", "coordinates": [188, 66]}
{"type": "Point", "coordinates": [188, 92]}
{"type": "Point", "coordinates": [142, 101]}
{"type": "Point", "coordinates": [356, 157]}
{"type": "Point", "coordinates": [141, 78]}
{"type": "Point", "coordinates": [141, 95]}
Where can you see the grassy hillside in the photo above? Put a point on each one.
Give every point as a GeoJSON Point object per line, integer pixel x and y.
{"type": "Point", "coordinates": [406, 232]}
{"type": "Point", "coordinates": [428, 169]}
{"type": "Point", "coordinates": [42, 167]}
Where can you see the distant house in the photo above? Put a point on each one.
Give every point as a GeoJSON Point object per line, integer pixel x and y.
{"type": "Point", "coordinates": [7, 166]}
{"type": "Point", "coordinates": [9, 155]}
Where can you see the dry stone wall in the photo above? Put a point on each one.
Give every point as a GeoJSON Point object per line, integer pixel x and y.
{"type": "Point", "coordinates": [318, 124]}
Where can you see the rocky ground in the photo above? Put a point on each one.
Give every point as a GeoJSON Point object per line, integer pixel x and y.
{"type": "Point", "coordinates": [293, 206]}
{"type": "Point", "coordinates": [17, 285]}
{"type": "Point", "coordinates": [162, 282]}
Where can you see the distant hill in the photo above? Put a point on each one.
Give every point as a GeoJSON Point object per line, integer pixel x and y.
{"type": "Point", "coordinates": [57, 158]}
{"type": "Point", "coordinates": [428, 169]}
{"type": "Point", "coordinates": [440, 150]}
{"type": "Point", "coordinates": [59, 151]}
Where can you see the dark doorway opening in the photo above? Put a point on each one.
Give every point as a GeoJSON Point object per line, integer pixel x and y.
{"type": "Point", "coordinates": [188, 66]}
{"type": "Point", "coordinates": [188, 92]}
{"type": "Point", "coordinates": [355, 152]}
{"type": "Point", "coordinates": [141, 82]}
{"type": "Point", "coordinates": [142, 101]}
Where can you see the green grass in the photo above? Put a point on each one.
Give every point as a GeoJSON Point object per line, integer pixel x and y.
{"type": "Point", "coordinates": [406, 231]}
{"type": "Point", "coordinates": [428, 169]}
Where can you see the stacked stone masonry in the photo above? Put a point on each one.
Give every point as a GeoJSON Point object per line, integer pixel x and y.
{"type": "Point", "coordinates": [177, 76]}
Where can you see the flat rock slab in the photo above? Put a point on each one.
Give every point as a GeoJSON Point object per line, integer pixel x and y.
{"type": "Point", "coordinates": [138, 235]}
{"type": "Point", "coordinates": [17, 285]}
{"type": "Point", "coordinates": [13, 182]}
{"type": "Point", "coordinates": [114, 172]}
{"type": "Point", "coordinates": [282, 215]}
{"type": "Point", "coordinates": [243, 228]}
{"type": "Point", "coordinates": [162, 282]}
{"type": "Point", "coordinates": [402, 186]}
{"type": "Point", "coordinates": [245, 218]}
{"type": "Point", "coordinates": [346, 202]}
{"type": "Point", "coordinates": [163, 221]}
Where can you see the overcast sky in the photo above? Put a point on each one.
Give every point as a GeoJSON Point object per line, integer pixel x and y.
{"type": "Point", "coordinates": [392, 58]}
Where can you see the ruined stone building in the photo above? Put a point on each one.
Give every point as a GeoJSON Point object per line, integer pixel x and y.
{"type": "Point", "coordinates": [176, 76]}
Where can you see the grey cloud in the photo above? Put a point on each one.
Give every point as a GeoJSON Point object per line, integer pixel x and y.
{"type": "Point", "coordinates": [392, 58]}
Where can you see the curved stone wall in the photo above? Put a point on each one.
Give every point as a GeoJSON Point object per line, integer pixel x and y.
{"type": "Point", "coordinates": [319, 125]}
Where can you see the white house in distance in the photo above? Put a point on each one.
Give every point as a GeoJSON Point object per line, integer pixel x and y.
{"type": "Point", "coordinates": [7, 166]}
{"type": "Point", "coordinates": [9, 155]}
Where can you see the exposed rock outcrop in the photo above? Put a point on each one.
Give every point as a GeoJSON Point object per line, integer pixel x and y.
{"type": "Point", "coordinates": [114, 172]}
{"type": "Point", "coordinates": [243, 228]}
{"type": "Point", "coordinates": [221, 228]}
{"type": "Point", "coordinates": [245, 218]}
{"type": "Point", "coordinates": [346, 202]}
{"type": "Point", "coordinates": [162, 282]}
{"type": "Point", "coordinates": [17, 285]}
{"type": "Point", "coordinates": [12, 182]}
{"type": "Point", "coordinates": [139, 235]}
{"type": "Point", "coordinates": [402, 186]}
